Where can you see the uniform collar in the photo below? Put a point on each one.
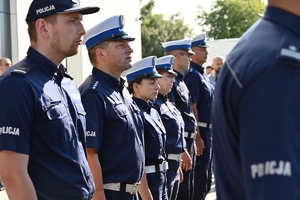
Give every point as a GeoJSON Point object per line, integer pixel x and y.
{"type": "Point", "coordinates": [44, 63]}
{"type": "Point", "coordinates": [141, 103]}
{"type": "Point", "coordinates": [179, 75]}
{"type": "Point", "coordinates": [284, 18]}
{"type": "Point", "coordinates": [197, 67]}
{"type": "Point", "coordinates": [110, 80]}
{"type": "Point", "coordinates": [161, 97]}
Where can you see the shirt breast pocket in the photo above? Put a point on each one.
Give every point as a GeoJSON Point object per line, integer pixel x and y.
{"type": "Point", "coordinates": [79, 108]}
{"type": "Point", "coordinates": [57, 125]}
{"type": "Point", "coordinates": [120, 109]}
{"type": "Point", "coordinates": [182, 94]}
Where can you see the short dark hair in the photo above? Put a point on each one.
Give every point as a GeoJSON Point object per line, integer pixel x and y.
{"type": "Point", "coordinates": [130, 84]}
{"type": "Point", "coordinates": [92, 51]}
{"type": "Point", "coordinates": [32, 30]}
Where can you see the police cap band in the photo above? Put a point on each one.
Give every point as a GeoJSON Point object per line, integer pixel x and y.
{"type": "Point", "coordinates": [184, 45]}
{"type": "Point", "coordinates": [165, 63]}
{"type": "Point", "coordinates": [200, 41]}
{"type": "Point", "coordinates": [110, 29]}
{"type": "Point", "coordinates": [144, 68]}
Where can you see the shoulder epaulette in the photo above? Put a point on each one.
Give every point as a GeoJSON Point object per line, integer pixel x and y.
{"type": "Point", "coordinates": [22, 70]}
{"type": "Point", "coordinates": [94, 85]}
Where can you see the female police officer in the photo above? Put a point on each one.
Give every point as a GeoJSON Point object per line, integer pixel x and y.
{"type": "Point", "coordinates": [143, 85]}
{"type": "Point", "coordinates": [173, 123]}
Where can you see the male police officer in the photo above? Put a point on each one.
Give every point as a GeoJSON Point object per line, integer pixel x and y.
{"type": "Point", "coordinates": [201, 96]}
{"type": "Point", "coordinates": [180, 96]}
{"type": "Point", "coordinates": [42, 123]}
{"type": "Point", "coordinates": [256, 110]}
{"type": "Point", "coordinates": [114, 125]}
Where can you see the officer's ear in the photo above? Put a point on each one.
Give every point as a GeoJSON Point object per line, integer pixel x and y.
{"type": "Point", "coordinates": [136, 87]}
{"type": "Point", "coordinates": [177, 56]}
{"type": "Point", "coordinates": [101, 53]}
{"type": "Point", "coordinates": [42, 28]}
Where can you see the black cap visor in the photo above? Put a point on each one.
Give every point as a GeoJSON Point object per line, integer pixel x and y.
{"type": "Point", "coordinates": [82, 9]}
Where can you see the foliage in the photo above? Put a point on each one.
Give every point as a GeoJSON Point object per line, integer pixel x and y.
{"type": "Point", "coordinates": [230, 18]}
{"type": "Point", "coordinates": [156, 30]}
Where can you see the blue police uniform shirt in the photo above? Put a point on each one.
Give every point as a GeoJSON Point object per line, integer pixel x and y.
{"type": "Point", "coordinates": [202, 91]}
{"type": "Point", "coordinates": [114, 127]}
{"type": "Point", "coordinates": [256, 112]}
{"type": "Point", "coordinates": [173, 123]}
{"type": "Point", "coordinates": [154, 133]}
{"type": "Point", "coordinates": [47, 122]}
{"type": "Point", "coordinates": [181, 97]}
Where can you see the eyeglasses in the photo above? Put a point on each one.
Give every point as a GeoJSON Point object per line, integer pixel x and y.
{"type": "Point", "coordinates": [187, 54]}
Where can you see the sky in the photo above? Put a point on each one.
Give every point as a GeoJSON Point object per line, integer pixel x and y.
{"type": "Point", "coordinates": [187, 8]}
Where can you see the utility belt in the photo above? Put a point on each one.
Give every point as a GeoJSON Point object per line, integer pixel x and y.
{"type": "Point", "coordinates": [163, 167]}
{"type": "Point", "coordinates": [130, 188]}
{"type": "Point", "coordinates": [176, 157]}
{"type": "Point", "coordinates": [205, 125]}
{"type": "Point", "coordinates": [189, 135]}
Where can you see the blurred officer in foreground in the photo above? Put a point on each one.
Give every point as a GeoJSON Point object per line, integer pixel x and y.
{"type": "Point", "coordinates": [180, 97]}
{"type": "Point", "coordinates": [174, 125]}
{"type": "Point", "coordinates": [143, 85]}
{"type": "Point", "coordinates": [42, 134]}
{"type": "Point", "coordinates": [5, 63]}
{"type": "Point", "coordinates": [257, 110]}
{"type": "Point", "coordinates": [201, 96]}
{"type": "Point", "coordinates": [114, 124]}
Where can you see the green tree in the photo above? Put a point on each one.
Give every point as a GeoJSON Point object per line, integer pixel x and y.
{"type": "Point", "coordinates": [230, 18]}
{"type": "Point", "coordinates": [155, 30]}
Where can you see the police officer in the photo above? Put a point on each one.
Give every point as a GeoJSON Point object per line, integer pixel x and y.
{"type": "Point", "coordinates": [256, 110]}
{"type": "Point", "coordinates": [143, 85]}
{"type": "Point", "coordinates": [114, 125]}
{"type": "Point", "coordinates": [201, 96]}
{"type": "Point", "coordinates": [42, 134]}
{"type": "Point", "coordinates": [173, 122]}
{"type": "Point", "coordinates": [180, 97]}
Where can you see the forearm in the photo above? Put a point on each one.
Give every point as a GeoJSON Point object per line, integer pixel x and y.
{"type": "Point", "coordinates": [195, 112]}
{"type": "Point", "coordinates": [14, 175]}
{"type": "Point", "coordinates": [144, 189]}
{"type": "Point", "coordinates": [95, 167]}
{"type": "Point", "coordinates": [19, 186]}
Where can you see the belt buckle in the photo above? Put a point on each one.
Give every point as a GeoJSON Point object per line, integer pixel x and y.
{"type": "Point", "coordinates": [165, 166]}
{"type": "Point", "coordinates": [134, 188]}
